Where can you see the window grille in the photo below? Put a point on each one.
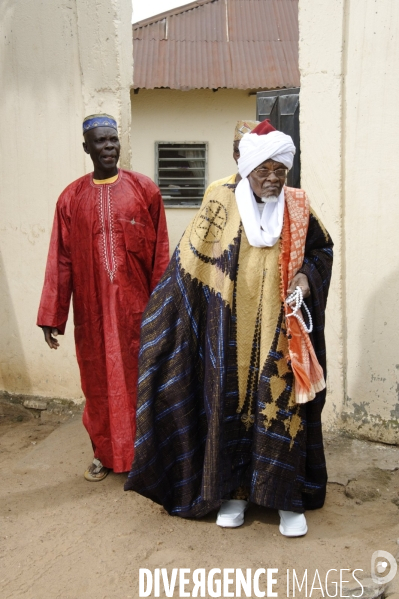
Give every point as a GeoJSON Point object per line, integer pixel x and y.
{"type": "Point", "coordinates": [181, 172]}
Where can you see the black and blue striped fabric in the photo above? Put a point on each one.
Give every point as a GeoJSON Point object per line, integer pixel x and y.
{"type": "Point", "coordinates": [192, 448]}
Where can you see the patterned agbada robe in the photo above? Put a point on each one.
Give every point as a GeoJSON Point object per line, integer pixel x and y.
{"type": "Point", "coordinates": [216, 409]}
{"type": "Point", "coordinates": [109, 248]}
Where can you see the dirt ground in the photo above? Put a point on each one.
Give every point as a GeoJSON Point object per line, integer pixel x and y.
{"type": "Point", "coordinates": [62, 537]}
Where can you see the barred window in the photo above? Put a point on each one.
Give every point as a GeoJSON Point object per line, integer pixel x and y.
{"type": "Point", "coordinates": [181, 172]}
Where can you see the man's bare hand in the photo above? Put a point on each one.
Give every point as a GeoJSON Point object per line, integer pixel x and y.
{"type": "Point", "coordinates": [48, 337]}
{"type": "Point", "coordinates": [300, 280]}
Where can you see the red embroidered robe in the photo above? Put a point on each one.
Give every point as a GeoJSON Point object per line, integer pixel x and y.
{"type": "Point", "coordinates": [109, 248]}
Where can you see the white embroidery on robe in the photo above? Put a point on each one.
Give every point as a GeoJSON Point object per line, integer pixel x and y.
{"type": "Point", "coordinates": [107, 230]}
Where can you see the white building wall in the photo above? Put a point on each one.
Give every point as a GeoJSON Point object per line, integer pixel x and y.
{"type": "Point", "coordinates": [371, 160]}
{"type": "Point", "coordinates": [349, 60]}
{"type": "Point", "coordinates": [196, 115]}
{"type": "Point", "coordinates": [320, 63]}
{"type": "Point", "coordinates": [59, 61]}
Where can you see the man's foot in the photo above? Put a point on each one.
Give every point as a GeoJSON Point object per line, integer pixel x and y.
{"type": "Point", "coordinates": [96, 471]}
{"type": "Point", "coordinates": [292, 524]}
{"type": "Point", "coordinates": [231, 514]}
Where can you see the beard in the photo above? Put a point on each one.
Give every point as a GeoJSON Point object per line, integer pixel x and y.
{"type": "Point", "coordinates": [269, 200]}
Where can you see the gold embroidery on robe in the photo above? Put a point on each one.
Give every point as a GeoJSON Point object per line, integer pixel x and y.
{"type": "Point", "coordinates": [257, 303]}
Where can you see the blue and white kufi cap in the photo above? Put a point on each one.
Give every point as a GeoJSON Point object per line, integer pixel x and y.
{"type": "Point", "coordinates": [99, 120]}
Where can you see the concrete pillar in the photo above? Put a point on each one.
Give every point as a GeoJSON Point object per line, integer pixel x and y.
{"type": "Point", "coordinates": [106, 61]}
{"type": "Point", "coordinates": [321, 65]}
{"type": "Point", "coordinates": [349, 59]}
{"type": "Point", "coordinates": [59, 61]}
{"type": "Point", "coordinates": [371, 121]}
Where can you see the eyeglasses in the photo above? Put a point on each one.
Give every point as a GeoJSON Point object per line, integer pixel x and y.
{"type": "Point", "coordinates": [265, 172]}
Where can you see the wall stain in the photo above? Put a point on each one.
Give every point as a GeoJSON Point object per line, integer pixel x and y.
{"type": "Point", "coordinates": [395, 411]}
{"type": "Point", "coordinates": [377, 378]}
{"type": "Point", "coordinates": [360, 411]}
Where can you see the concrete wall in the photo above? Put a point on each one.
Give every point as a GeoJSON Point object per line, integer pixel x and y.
{"type": "Point", "coordinates": [349, 60]}
{"type": "Point", "coordinates": [372, 216]}
{"type": "Point", "coordinates": [60, 60]}
{"type": "Point", "coordinates": [320, 61]}
{"type": "Point", "coordinates": [196, 115]}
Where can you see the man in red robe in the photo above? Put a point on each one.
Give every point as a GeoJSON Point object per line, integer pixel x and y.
{"type": "Point", "coordinates": [108, 249]}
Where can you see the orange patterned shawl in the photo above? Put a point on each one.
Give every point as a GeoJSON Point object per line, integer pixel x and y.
{"type": "Point", "coordinates": [309, 378]}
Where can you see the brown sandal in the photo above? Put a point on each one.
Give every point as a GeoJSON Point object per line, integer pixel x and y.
{"type": "Point", "coordinates": [96, 471]}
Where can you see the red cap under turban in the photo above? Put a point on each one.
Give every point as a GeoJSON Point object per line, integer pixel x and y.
{"type": "Point", "coordinates": [263, 128]}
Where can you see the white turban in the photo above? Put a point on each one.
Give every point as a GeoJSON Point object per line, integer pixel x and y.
{"type": "Point", "coordinates": [255, 149]}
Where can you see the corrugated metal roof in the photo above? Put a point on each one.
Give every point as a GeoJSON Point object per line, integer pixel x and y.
{"type": "Point", "coordinates": [238, 44]}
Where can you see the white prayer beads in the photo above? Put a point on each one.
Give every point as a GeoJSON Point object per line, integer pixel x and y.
{"type": "Point", "coordinates": [295, 302]}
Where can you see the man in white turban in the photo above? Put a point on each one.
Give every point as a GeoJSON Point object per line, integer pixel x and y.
{"type": "Point", "coordinates": [232, 371]}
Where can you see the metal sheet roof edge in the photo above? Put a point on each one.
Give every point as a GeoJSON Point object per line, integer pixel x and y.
{"type": "Point", "coordinates": [170, 13]}
{"type": "Point", "coordinates": [251, 90]}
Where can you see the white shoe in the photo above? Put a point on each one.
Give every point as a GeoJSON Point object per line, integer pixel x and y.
{"type": "Point", "coordinates": [231, 514]}
{"type": "Point", "coordinates": [292, 524]}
